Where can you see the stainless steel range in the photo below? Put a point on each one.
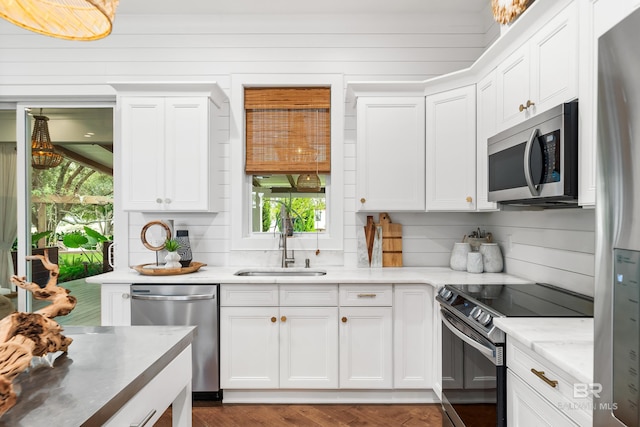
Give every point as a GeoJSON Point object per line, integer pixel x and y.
{"type": "Point", "coordinates": [473, 350]}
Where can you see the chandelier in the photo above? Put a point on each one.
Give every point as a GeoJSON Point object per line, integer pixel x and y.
{"type": "Point", "coordinates": [43, 155]}
{"type": "Point", "coordinates": [65, 19]}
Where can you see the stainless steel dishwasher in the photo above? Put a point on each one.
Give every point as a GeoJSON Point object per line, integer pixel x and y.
{"type": "Point", "coordinates": [185, 305]}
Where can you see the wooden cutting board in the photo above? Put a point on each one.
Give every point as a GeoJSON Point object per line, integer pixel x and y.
{"type": "Point", "coordinates": [391, 242]}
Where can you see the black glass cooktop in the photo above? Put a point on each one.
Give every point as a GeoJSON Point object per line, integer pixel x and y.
{"type": "Point", "coordinates": [532, 300]}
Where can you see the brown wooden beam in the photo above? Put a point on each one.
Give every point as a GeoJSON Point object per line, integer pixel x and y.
{"type": "Point", "coordinates": [291, 181]}
{"type": "Point", "coordinates": [84, 161]}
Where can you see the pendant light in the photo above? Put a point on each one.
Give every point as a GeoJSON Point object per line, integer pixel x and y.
{"type": "Point", "coordinates": [43, 155]}
{"type": "Point", "coordinates": [64, 19]}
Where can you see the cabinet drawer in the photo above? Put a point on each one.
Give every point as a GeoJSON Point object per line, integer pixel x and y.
{"type": "Point", "coordinates": [302, 295]}
{"type": "Point", "coordinates": [259, 295]}
{"type": "Point", "coordinates": [366, 295]}
{"type": "Point", "coordinates": [521, 360]}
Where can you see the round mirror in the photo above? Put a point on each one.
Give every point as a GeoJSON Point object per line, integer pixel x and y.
{"type": "Point", "coordinates": [155, 231]}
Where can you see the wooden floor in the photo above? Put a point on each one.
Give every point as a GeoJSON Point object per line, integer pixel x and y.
{"type": "Point", "coordinates": [207, 414]}
{"type": "Point", "coordinates": [87, 310]}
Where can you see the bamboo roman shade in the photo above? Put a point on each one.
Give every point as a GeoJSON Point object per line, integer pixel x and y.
{"type": "Point", "coordinates": [288, 130]}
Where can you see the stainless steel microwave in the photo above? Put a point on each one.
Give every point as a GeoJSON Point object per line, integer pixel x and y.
{"type": "Point", "coordinates": [536, 162]}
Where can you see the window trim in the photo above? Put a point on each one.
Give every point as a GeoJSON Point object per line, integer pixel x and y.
{"type": "Point", "coordinates": [240, 195]}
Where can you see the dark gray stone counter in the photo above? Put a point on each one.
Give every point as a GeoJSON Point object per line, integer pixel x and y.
{"type": "Point", "coordinates": [104, 368]}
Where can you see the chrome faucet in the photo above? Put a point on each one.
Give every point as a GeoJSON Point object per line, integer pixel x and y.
{"type": "Point", "coordinates": [286, 231]}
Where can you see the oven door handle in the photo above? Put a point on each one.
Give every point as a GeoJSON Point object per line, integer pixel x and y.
{"type": "Point", "coordinates": [486, 351]}
{"type": "Point", "coordinates": [535, 190]}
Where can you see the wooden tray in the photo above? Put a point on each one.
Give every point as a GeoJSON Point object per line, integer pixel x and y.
{"type": "Point", "coordinates": [144, 270]}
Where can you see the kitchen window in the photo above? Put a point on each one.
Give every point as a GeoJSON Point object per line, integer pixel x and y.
{"type": "Point", "coordinates": [288, 156]}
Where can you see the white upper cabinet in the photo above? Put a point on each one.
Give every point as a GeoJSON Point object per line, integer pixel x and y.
{"type": "Point", "coordinates": [168, 147]}
{"type": "Point", "coordinates": [486, 128]}
{"type": "Point", "coordinates": [451, 150]}
{"type": "Point", "coordinates": [390, 168]}
{"type": "Point", "coordinates": [542, 73]}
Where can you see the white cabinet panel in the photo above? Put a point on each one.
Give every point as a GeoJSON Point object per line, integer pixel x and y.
{"type": "Point", "coordinates": [308, 347]}
{"type": "Point", "coordinates": [513, 88]}
{"type": "Point", "coordinates": [486, 128]}
{"type": "Point", "coordinates": [366, 347]}
{"type": "Point", "coordinates": [249, 344]}
{"type": "Point", "coordinates": [115, 305]}
{"type": "Point", "coordinates": [526, 408]}
{"type": "Point", "coordinates": [413, 341]}
{"type": "Point", "coordinates": [390, 154]}
{"type": "Point", "coordinates": [451, 150]}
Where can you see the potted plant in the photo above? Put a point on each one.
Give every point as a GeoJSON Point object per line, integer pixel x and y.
{"type": "Point", "coordinates": [172, 260]}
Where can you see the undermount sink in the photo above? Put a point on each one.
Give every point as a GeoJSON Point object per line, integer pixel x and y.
{"type": "Point", "coordinates": [280, 272]}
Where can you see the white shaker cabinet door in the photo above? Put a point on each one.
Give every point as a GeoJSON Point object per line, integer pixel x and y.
{"type": "Point", "coordinates": [143, 152]}
{"type": "Point", "coordinates": [390, 154]}
{"type": "Point", "coordinates": [309, 347]}
{"type": "Point", "coordinates": [188, 148]}
{"type": "Point", "coordinates": [413, 341]}
{"type": "Point", "coordinates": [366, 347]}
{"type": "Point", "coordinates": [451, 150]}
{"type": "Point", "coordinates": [513, 88]}
{"type": "Point", "coordinates": [249, 338]}
{"type": "Point", "coordinates": [115, 305]}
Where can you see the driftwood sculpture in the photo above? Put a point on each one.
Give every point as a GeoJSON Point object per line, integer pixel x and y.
{"type": "Point", "coordinates": [25, 335]}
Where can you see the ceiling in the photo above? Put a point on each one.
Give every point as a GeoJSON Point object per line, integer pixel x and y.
{"type": "Point", "coordinates": [204, 7]}
{"type": "Point", "coordinates": [82, 134]}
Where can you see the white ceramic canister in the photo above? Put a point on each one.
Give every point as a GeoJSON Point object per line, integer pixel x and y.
{"type": "Point", "coordinates": [458, 260]}
{"type": "Point", "coordinates": [474, 262]}
{"type": "Point", "coordinates": [492, 257]}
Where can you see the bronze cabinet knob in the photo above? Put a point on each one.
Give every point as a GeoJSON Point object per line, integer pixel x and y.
{"type": "Point", "coordinates": [521, 108]}
{"type": "Point", "coordinates": [273, 320]}
{"type": "Point", "coordinates": [344, 320]}
{"type": "Point", "coordinates": [363, 200]}
{"type": "Point", "coordinates": [283, 318]}
{"type": "Point", "coordinates": [469, 199]}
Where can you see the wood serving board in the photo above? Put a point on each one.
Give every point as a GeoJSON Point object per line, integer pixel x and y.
{"type": "Point", "coordinates": [146, 270]}
{"type": "Point", "coordinates": [391, 242]}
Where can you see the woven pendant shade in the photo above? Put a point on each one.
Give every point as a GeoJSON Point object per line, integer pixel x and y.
{"type": "Point", "coordinates": [308, 183]}
{"type": "Point", "coordinates": [43, 156]}
{"type": "Point", "coordinates": [65, 19]}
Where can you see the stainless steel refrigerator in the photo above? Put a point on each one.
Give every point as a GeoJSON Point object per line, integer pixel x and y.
{"type": "Point", "coordinates": [617, 284]}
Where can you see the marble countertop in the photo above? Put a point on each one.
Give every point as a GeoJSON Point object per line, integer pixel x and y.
{"type": "Point", "coordinates": [103, 369]}
{"type": "Point", "coordinates": [565, 342]}
{"type": "Point", "coordinates": [435, 276]}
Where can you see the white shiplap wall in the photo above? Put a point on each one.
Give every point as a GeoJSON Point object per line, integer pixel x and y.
{"type": "Point", "coordinates": [550, 246]}
{"type": "Point", "coordinates": [187, 48]}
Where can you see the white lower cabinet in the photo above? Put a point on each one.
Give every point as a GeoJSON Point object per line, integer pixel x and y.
{"type": "Point", "coordinates": [308, 347]}
{"type": "Point", "coordinates": [541, 394]}
{"type": "Point", "coordinates": [527, 408]}
{"type": "Point", "coordinates": [115, 305]}
{"type": "Point", "coordinates": [413, 330]}
{"type": "Point", "coordinates": [366, 347]}
{"type": "Point", "coordinates": [249, 344]}
{"type": "Point", "coordinates": [278, 346]}
{"type": "Point", "coordinates": [326, 337]}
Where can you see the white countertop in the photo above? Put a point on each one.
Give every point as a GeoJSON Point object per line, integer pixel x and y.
{"type": "Point", "coordinates": [435, 276]}
{"type": "Point", "coordinates": [565, 342]}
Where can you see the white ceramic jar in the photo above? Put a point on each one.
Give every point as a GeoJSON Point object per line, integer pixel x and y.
{"type": "Point", "coordinates": [492, 257]}
{"type": "Point", "coordinates": [474, 262]}
{"type": "Point", "coordinates": [458, 260]}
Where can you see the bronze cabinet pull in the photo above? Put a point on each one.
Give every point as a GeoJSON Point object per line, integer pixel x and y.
{"type": "Point", "coordinates": [344, 320]}
{"type": "Point", "coordinates": [273, 320]}
{"type": "Point", "coordinates": [283, 318]}
{"type": "Point", "coordinates": [366, 295]}
{"type": "Point", "coordinates": [540, 374]}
